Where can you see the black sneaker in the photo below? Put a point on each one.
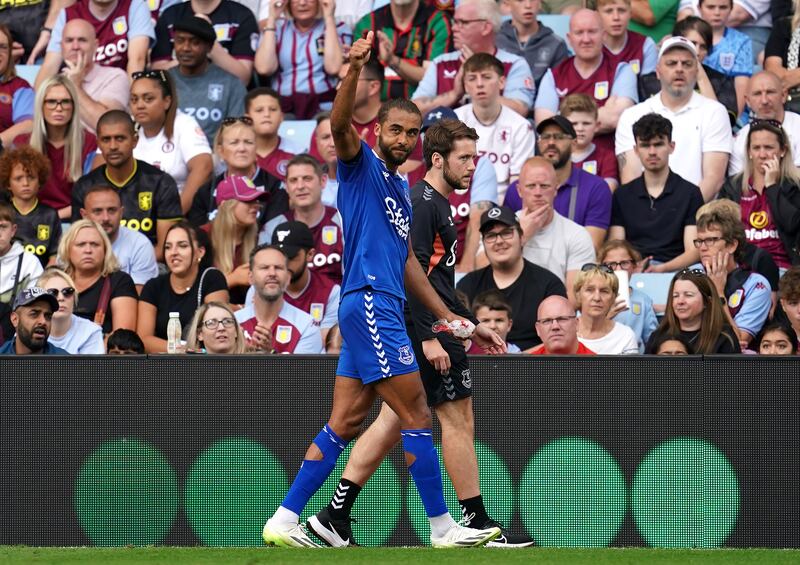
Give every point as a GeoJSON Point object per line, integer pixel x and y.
{"type": "Point", "coordinates": [333, 532]}
{"type": "Point", "coordinates": [506, 539]}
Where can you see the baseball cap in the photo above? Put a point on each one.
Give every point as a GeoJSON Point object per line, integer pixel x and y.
{"type": "Point", "coordinates": [238, 188]}
{"type": "Point", "coordinates": [198, 27]}
{"type": "Point", "coordinates": [498, 214]}
{"type": "Point", "coordinates": [438, 113]}
{"type": "Point", "coordinates": [677, 42]}
{"type": "Point", "coordinates": [28, 296]}
{"type": "Point", "coordinates": [561, 122]}
{"type": "Point", "coordinates": [293, 237]}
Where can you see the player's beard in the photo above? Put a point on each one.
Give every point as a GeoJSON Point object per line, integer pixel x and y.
{"type": "Point", "coordinates": [389, 157]}
{"type": "Point", "coordinates": [453, 181]}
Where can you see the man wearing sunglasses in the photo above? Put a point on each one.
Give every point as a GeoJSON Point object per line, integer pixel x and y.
{"type": "Point", "coordinates": [32, 317]}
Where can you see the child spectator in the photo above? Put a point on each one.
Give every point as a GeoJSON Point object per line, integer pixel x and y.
{"type": "Point", "coordinates": [598, 160]}
{"type": "Point", "coordinates": [124, 342]}
{"type": "Point", "coordinates": [622, 45]}
{"type": "Point", "coordinates": [777, 339]}
{"type": "Point", "coordinates": [492, 309]}
{"type": "Point", "coordinates": [789, 293]}
{"type": "Point", "coordinates": [263, 106]}
{"type": "Point", "coordinates": [668, 344]}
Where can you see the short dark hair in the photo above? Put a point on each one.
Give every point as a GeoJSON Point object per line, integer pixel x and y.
{"type": "Point", "coordinates": [305, 159]}
{"type": "Point", "coordinates": [261, 247]}
{"type": "Point", "coordinates": [125, 340]}
{"type": "Point", "coordinates": [482, 61]}
{"type": "Point", "coordinates": [260, 91]}
{"type": "Point", "coordinates": [663, 337]}
{"type": "Point", "coordinates": [402, 104]}
{"type": "Point", "coordinates": [373, 70]}
{"type": "Point", "coordinates": [652, 126]}
{"type": "Point", "coordinates": [7, 213]}
{"type": "Point", "coordinates": [695, 23]}
{"type": "Point", "coordinates": [492, 299]}
{"type": "Point", "coordinates": [116, 117]}
{"type": "Point", "coordinates": [779, 326]}
{"type": "Point", "coordinates": [440, 137]}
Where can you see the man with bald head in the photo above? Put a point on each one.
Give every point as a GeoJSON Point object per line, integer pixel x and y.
{"type": "Point", "coordinates": [557, 326]}
{"type": "Point", "coordinates": [766, 97]}
{"type": "Point", "coordinates": [100, 88]}
{"type": "Point", "coordinates": [612, 86]}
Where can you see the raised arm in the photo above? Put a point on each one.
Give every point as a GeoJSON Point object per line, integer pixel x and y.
{"type": "Point", "coordinates": [345, 137]}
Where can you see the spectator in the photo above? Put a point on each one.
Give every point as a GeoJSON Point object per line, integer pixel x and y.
{"type": "Point", "coordinates": [28, 27]}
{"type": "Point", "coordinates": [766, 97]}
{"type": "Point", "coordinates": [557, 325]}
{"type": "Point", "coordinates": [507, 139]}
{"type": "Point", "coordinates": [269, 322]}
{"type": "Point", "coordinates": [622, 45]}
{"type": "Point", "coordinates": [233, 38]}
{"type": "Point", "coordinates": [407, 34]}
{"type": "Point", "coordinates": [16, 106]}
{"type": "Point", "coordinates": [32, 317]}
{"type": "Point", "coordinates": [491, 309]}
{"type": "Point", "coordinates": [611, 85]}
{"type": "Point", "coordinates": [214, 330]}
{"type": "Point", "coordinates": [581, 197]}
{"type": "Point", "coordinates": [235, 145]}
{"type": "Point", "coordinates": [169, 139]}
{"type": "Point", "coordinates": [710, 83]}
{"type": "Point", "coordinates": [123, 30]}
{"type": "Point", "coordinates": [750, 17]}
{"type": "Point", "coordinates": [653, 18]}
{"type": "Point", "coordinates": [149, 197]}
{"type": "Point", "coordinates": [667, 344]}
{"type": "Point", "coordinates": [107, 296]}
{"type": "Point", "coordinates": [596, 288]}
{"type": "Point", "coordinates": [263, 106]}
{"type": "Point", "coordinates": [523, 284]}
{"type": "Point", "coordinates": [186, 286]}
{"type": "Point", "coordinates": [134, 252]}
{"type": "Point", "coordinates": [124, 342]}
{"type": "Point", "coordinates": [524, 35]}
{"type": "Point", "coordinates": [656, 212]}
{"type": "Point", "coordinates": [581, 111]}
{"type": "Point", "coordinates": [789, 293]}
{"type": "Point", "coordinates": [18, 268]}
{"type": "Point", "coordinates": [206, 91]}
{"type": "Point", "coordinates": [100, 88]}
{"type": "Point", "coordinates": [304, 183]}
{"type": "Point", "coordinates": [475, 26]}
{"type": "Point", "coordinates": [768, 192]}
{"type": "Point", "coordinates": [781, 55]}
{"type": "Point", "coordinates": [777, 339]}
{"type": "Point", "coordinates": [694, 312]}
{"type": "Point", "coordinates": [22, 172]}
{"type": "Point", "coordinates": [323, 149]}
{"type": "Point", "coordinates": [58, 135]}
{"type": "Point", "coordinates": [640, 316]}
{"type": "Point", "coordinates": [302, 51]}
{"type": "Point", "coordinates": [69, 332]}
{"type": "Point", "coordinates": [702, 129]}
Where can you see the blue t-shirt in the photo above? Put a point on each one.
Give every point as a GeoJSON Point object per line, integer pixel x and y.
{"type": "Point", "coordinates": [375, 206]}
{"type": "Point", "coordinates": [733, 55]}
{"type": "Point", "coordinates": [640, 317]}
{"type": "Point", "coordinates": [9, 348]}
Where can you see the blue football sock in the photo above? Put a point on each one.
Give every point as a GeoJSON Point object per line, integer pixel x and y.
{"type": "Point", "coordinates": [313, 473]}
{"type": "Point", "coordinates": [425, 470]}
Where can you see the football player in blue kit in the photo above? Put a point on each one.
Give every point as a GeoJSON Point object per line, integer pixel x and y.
{"type": "Point", "coordinates": [377, 357]}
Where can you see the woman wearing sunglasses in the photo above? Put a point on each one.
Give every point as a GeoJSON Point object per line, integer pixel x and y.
{"type": "Point", "coordinates": [69, 332]}
{"type": "Point", "coordinates": [694, 310]}
{"type": "Point", "coordinates": [596, 289]}
{"type": "Point", "coordinates": [214, 330]}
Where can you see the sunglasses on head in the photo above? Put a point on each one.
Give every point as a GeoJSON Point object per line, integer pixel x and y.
{"type": "Point", "coordinates": [247, 120]}
{"type": "Point", "coordinates": [153, 74]}
{"type": "Point", "coordinates": [595, 266]}
{"type": "Point", "coordinates": [766, 122]}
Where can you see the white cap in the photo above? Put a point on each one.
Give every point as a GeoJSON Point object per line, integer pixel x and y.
{"type": "Point", "coordinates": [677, 42]}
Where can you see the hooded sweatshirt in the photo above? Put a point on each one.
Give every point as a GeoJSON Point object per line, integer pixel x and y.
{"type": "Point", "coordinates": [29, 271]}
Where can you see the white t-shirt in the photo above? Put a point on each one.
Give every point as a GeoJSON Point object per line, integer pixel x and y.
{"type": "Point", "coordinates": [84, 337]}
{"type": "Point", "coordinates": [188, 141]}
{"type": "Point", "coordinates": [619, 341]}
{"type": "Point", "coordinates": [758, 10]}
{"type": "Point", "coordinates": [135, 254]}
{"type": "Point", "coordinates": [508, 142]}
{"type": "Point", "coordinates": [561, 246]}
{"type": "Point", "coordinates": [701, 126]}
{"type": "Point", "coordinates": [791, 125]}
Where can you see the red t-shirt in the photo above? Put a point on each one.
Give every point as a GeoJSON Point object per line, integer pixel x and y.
{"type": "Point", "coordinates": [582, 350]}
{"type": "Point", "coordinates": [276, 162]}
{"type": "Point", "coordinates": [760, 229]}
{"type": "Point", "coordinates": [601, 162]}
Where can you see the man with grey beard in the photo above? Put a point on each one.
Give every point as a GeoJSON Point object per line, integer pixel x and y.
{"type": "Point", "coordinates": [701, 128]}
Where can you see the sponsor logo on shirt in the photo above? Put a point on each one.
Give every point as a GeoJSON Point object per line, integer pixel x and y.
{"type": "Point", "coordinates": [42, 232]}
{"type": "Point", "coordinates": [397, 217]}
{"type": "Point", "coordinates": [145, 201]}
{"type": "Point", "coordinates": [120, 25]}
{"type": "Point", "coordinates": [759, 220]}
{"type": "Point", "coordinates": [283, 334]}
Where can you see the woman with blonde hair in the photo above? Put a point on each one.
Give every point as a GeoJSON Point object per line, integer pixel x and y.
{"type": "Point", "coordinates": [107, 295]}
{"type": "Point", "coordinates": [596, 289]}
{"type": "Point", "coordinates": [214, 330]}
{"type": "Point", "coordinates": [69, 332]}
{"type": "Point", "coordinates": [16, 109]}
{"type": "Point", "coordinates": [58, 134]}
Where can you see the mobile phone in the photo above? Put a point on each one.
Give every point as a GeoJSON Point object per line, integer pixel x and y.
{"type": "Point", "coordinates": [645, 264]}
{"type": "Point", "coordinates": [624, 287]}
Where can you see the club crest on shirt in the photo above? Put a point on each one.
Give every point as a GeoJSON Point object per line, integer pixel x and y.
{"type": "Point", "coordinates": [120, 25]}
{"type": "Point", "coordinates": [215, 92]}
{"type": "Point", "coordinates": [145, 201]}
{"type": "Point", "coordinates": [636, 308]}
{"type": "Point", "coordinates": [503, 135]}
{"type": "Point", "coordinates": [223, 31]}
{"type": "Point", "coordinates": [329, 235]}
{"type": "Point", "coordinates": [406, 356]}
{"type": "Point", "coordinates": [42, 232]}
{"type": "Point", "coordinates": [5, 98]}
{"type": "Point", "coordinates": [590, 167]}
{"type": "Point", "coordinates": [153, 5]}
{"type": "Point", "coordinates": [635, 65]}
{"type": "Point", "coordinates": [316, 311]}
{"type": "Point", "coordinates": [601, 90]}
{"type": "Point", "coordinates": [283, 166]}
{"type": "Point", "coordinates": [735, 299]}
{"type": "Point", "coordinates": [726, 60]}
{"type": "Point", "coordinates": [283, 334]}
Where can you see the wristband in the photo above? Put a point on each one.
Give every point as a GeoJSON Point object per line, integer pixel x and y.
{"type": "Point", "coordinates": [266, 29]}
{"type": "Point", "coordinates": [47, 29]}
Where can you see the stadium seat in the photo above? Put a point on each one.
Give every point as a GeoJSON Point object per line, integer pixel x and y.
{"type": "Point", "coordinates": [28, 72]}
{"type": "Point", "coordinates": [654, 285]}
{"type": "Point", "coordinates": [298, 132]}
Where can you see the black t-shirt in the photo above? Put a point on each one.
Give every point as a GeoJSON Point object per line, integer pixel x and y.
{"type": "Point", "coordinates": [760, 261]}
{"type": "Point", "coordinates": [39, 231]}
{"type": "Point", "coordinates": [204, 204]}
{"type": "Point", "coordinates": [523, 295]}
{"type": "Point", "coordinates": [159, 293]}
{"type": "Point", "coordinates": [727, 342]}
{"type": "Point", "coordinates": [148, 196]}
{"type": "Point", "coordinates": [121, 285]}
{"type": "Point", "coordinates": [779, 39]}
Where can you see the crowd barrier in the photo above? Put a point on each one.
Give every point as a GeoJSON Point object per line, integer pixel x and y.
{"type": "Point", "coordinates": [186, 450]}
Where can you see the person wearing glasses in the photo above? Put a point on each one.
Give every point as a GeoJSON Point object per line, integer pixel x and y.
{"type": "Point", "coordinates": [206, 91]}
{"type": "Point", "coordinates": [72, 333]}
{"type": "Point", "coordinates": [768, 193]}
{"type": "Point", "coordinates": [169, 139]}
{"type": "Point", "coordinates": [149, 196]}
{"type": "Point", "coordinates": [214, 330]}
{"type": "Point", "coordinates": [557, 325]}
{"type": "Point", "coordinates": [695, 312]}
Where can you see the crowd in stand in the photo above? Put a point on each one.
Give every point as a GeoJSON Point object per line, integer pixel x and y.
{"type": "Point", "coordinates": [143, 176]}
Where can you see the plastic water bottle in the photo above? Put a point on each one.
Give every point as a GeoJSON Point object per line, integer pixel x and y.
{"type": "Point", "coordinates": [174, 332]}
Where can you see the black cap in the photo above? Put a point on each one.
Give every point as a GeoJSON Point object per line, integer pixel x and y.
{"type": "Point", "coordinates": [293, 237]}
{"type": "Point", "coordinates": [438, 113]}
{"type": "Point", "coordinates": [198, 27]}
{"type": "Point", "coordinates": [561, 122]}
{"type": "Point", "coordinates": [498, 214]}
{"type": "Point", "coordinates": [28, 296]}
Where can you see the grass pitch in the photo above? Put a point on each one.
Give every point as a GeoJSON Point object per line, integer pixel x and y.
{"type": "Point", "coordinates": [356, 556]}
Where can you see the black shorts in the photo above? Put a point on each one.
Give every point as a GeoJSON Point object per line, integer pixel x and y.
{"type": "Point", "coordinates": [438, 387]}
